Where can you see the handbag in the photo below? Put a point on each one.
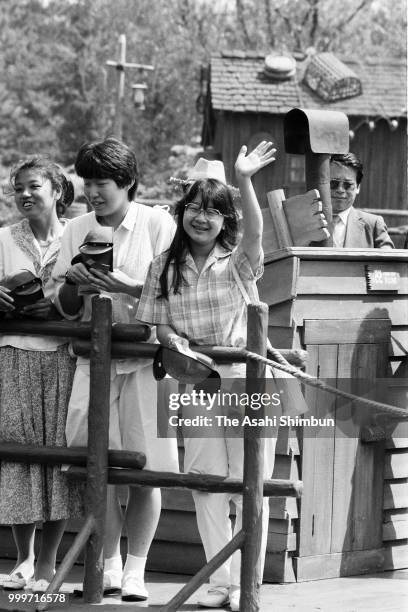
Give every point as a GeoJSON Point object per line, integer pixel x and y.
{"type": "Point", "coordinates": [186, 366]}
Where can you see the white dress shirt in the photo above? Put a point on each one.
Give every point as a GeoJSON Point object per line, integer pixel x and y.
{"type": "Point", "coordinates": [20, 250]}
{"type": "Point", "coordinates": [340, 227]}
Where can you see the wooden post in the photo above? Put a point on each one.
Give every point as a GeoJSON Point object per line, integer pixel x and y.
{"type": "Point", "coordinates": [279, 222]}
{"type": "Point", "coordinates": [253, 464]}
{"type": "Point", "coordinates": [120, 66]}
{"type": "Point", "coordinates": [69, 560]}
{"type": "Point", "coordinates": [204, 573]}
{"type": "Point", "coordinates": [120, 87]}
{"type": "Point", "coordinates": [98, 441]}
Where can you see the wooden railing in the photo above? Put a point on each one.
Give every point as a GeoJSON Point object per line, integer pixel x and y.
{"type": "Point", "coordinates": [102, 341]}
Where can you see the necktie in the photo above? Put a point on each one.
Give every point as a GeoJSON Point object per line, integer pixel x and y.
{"type": "Point", "coordinates": [337, 231]}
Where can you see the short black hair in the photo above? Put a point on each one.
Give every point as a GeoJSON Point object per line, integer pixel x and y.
{"type": "Point", "coordinates": [108, 159]}
{"type": "Point", "coordinates": [351, 160]}
{"type": "Point", "coordinates": [51, 171]}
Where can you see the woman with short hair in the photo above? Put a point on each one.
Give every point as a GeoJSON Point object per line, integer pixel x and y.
{"type": "Point", "coordinates": [110, 174]}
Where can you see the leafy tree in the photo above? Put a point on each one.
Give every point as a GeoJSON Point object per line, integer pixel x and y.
{"type": "Point", "coordinates": [57, 91]}
{"type": "Point", "coordinates": [373, 27]}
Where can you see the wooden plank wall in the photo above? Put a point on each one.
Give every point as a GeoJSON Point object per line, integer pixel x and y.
{"type": "Point", "coordinates": [341, 516]}
{"type": "Point", "coordinates": [353, 516]}
{"type": "Point", "coordinates": [395, 518]}
{"type": "Point", "coordinates": [236, 129]}
{"type": "Point", "coordinates": [383, 153]}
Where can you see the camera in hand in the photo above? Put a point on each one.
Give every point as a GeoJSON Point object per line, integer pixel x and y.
{"type": "Point", "coordinates": [25, 289]}
{"type": "Point", "coordinates": [97, 250]}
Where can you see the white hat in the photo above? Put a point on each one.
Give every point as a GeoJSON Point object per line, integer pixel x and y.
{"type": "Point", "coordinates": [207, 169]}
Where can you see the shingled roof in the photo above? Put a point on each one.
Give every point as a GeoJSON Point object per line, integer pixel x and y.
{"type": "Point", "coordinates": [239, 84]}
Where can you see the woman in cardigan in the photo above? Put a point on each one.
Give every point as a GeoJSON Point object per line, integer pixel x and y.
{"type": "Point", "coordinates": [36, 372]}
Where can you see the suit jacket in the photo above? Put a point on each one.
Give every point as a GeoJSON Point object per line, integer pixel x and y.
{"type": "Point", "coordinates": [365, 230]}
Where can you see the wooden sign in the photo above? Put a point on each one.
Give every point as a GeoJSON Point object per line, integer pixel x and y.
{"type": "Point", "coordinates": [296, 221]}
{"type": "Point", "coordinates": [379, 280]}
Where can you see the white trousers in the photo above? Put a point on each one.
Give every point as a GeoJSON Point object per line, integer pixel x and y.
{"type": "Point", "coordinates": [132, 418]}
{"type": "Point", "coordinates": [224, 457]}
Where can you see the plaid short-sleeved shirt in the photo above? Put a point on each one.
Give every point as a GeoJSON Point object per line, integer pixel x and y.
{"type": "Point", "coordinates": [209, 307]}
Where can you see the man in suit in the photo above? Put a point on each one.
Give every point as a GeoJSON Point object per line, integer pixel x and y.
{"type": "Point", "coordinates": [353, 227]}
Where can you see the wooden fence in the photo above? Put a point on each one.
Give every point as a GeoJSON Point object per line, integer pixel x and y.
{"type": "Point", "coordinates": [104, 466]}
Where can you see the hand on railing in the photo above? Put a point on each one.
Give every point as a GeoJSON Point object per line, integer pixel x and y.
{"type": "Point", "coordinates": [43, 309]}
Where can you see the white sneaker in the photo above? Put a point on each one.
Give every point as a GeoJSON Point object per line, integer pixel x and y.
{"type": "Point", "coordinates": [112, 580]}
{"type": "Point", "coordinates": [37, 586]}
{"type": "Point", "coordinates": [16, 581]}
{"type": "Point", "coordinates": [215, 597]}
{"type": "Point", "coordinates": [234, 597]}
{"type": "Point", "coordinates": [133, 588]}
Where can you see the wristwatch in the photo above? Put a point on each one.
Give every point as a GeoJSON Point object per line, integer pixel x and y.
{"type": "Point", "coordinates": [68, 280]}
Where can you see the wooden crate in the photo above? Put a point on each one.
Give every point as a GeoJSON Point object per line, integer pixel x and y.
{"type": "Point", "coordinates": [352, 517]}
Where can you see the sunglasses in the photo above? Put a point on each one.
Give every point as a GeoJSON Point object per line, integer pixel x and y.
{"type": "Point", "coordinates": [347, 185]}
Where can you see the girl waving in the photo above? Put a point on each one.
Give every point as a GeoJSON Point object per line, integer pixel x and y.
{"type": "Point", "coordinates": [193, 295]}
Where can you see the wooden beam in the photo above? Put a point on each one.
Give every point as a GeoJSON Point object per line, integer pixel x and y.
{"type": "Point", "coordinates": [347, 331]}
{"type": "Point", "coordinates": [334, 565]}
{"type": "Point", "coordinates": [220, 354]}
{"type": "Point", "coordinates": [199, 482]}
{"type": "Point", "coordinates": [26, 453]}
{"type": "Point", "coordinates": [72, 329]}
{"type": "Point", "coordinates": [334, 254]}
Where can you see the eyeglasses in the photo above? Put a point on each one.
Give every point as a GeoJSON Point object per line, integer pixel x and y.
{"type": "Point", "coordinates": [347, 185]}
{"type": "Point", "coordinates": [210, 213]}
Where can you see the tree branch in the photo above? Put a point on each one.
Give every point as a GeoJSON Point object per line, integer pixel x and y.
{"type": "Point", "coordinates": [241, 20]}
{"type": "Point", "coordinates": [268, 14]}
{"type": "Point", "coordinates": [314, 5]}
{"type": "Point", "coordinates": [340, 25]}
{"type": "Point", "coordinates": [292, 31]}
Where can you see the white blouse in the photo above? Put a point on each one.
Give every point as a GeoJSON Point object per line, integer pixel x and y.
{"type": "Point", "coordinates": [144, 233]}
{"type": "Point", "coordinates": [20, 250]}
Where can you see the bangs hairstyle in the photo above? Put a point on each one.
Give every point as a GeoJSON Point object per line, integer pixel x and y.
{"type": "Point", "coordinates": [48, 170]}
{"type": "Point", "coordinates": [109, 159]}
{"type": "Point", "coordinates": [214, 194]}
{"type": "Point", "coordinates": [350, 160]}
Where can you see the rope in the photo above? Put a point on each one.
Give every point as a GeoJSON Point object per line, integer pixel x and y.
{"type": "Point", "coordinates": [312, 381]}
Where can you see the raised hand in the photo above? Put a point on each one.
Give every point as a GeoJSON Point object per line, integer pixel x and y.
{"type": "Point", "coordinates": [261, 156]}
